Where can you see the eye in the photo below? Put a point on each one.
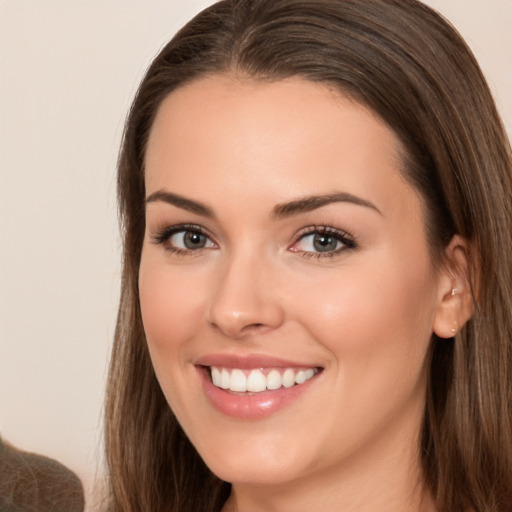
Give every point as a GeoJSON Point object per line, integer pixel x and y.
{"type": "Point", "coordinates": [190, 240]}
{"type": "Point", "coordinates": [183, 239]}
{"type": "Point", "coordinates": [324, 241]}
{"type": "Point", "coordinates": [319, 243]}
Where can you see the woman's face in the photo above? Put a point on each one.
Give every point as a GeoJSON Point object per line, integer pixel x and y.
{"type": "Point", "coordinates": [284, 252]}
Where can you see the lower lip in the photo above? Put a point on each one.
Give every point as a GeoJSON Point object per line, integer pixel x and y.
{"type": "Point", "coordinates": [251, 406]}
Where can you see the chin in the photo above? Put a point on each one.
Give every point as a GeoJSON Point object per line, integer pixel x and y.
{"type": "Point", "coordinates": [243, 472]}
{"type": "Point", "coordinates": [254, 461]}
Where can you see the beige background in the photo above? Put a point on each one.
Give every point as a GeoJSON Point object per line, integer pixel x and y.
{"type": "Point", "coordinates": [68, 69]}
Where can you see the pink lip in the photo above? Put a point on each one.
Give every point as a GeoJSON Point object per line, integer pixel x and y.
{"type": "Point", "coordinates": [250, 406]}
{"type": "Point", "coordinates": [249, 361]}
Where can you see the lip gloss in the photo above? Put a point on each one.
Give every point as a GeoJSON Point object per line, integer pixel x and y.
{"type": "Point", "coordinates": [250, 405]}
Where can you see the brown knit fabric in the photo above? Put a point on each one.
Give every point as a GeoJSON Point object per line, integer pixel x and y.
{"type": "Point", "coordinates": [33, 483]}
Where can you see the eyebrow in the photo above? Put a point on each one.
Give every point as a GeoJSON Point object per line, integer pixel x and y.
{"type": "Point", "coordinates": [280, 211]}
{"type": "Point", "coordinates": [181, 202]}
{"type": "Point", "coordinates": [310, 203]}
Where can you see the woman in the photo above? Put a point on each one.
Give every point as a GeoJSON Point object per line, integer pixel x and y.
{"type": "Point", "coordinates": [315, 309]}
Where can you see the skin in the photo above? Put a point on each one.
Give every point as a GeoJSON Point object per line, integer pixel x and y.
{"type": "Point", "coordinates": [364, 314]}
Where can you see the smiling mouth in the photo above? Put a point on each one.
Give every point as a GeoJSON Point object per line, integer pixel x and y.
{"type": "Point", "coordinates": [258, 380]}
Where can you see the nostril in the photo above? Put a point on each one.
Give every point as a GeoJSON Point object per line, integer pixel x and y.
{"type": "Point", "coordinates": [237, 314]}
{"type": "Point", "coordinates": [255, 328]}
{"type": "Point", "coordinates": [240, 330]}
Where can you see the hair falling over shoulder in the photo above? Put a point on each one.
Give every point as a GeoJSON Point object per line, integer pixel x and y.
{"type": "Point", "coordinates": [410, 66]}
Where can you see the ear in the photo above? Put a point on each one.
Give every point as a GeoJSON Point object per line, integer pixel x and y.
{"type": "Point", "coordinates": [455, 300]}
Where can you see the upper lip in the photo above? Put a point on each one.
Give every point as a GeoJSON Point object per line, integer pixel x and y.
{"type": "Point", "coordinates": [249, 361]}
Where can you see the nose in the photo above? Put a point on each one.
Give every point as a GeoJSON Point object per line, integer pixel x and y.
{"type": "Point", "coordinates": [245, 300]}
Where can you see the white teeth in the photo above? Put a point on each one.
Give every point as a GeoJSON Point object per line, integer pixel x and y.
{"type": "Point", "coordinates": [288, 378]}
{"type": "Point", "coordinates": [220, 378]}
{"type": "Point", "coordinates": [238, 381]}
{"type": "Point", "coordinates": [256, 381]}
{"type": "Point", "coordinates": [224, 379]}
{"type": "Point", "coordinates": [274, 380]}
{"type": "Point", "coordinates": [304, 375]}
{"type": "Point", "coordinates": [216, 377]}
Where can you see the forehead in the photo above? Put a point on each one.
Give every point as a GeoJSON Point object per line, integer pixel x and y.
{"type": "Point", "coordinates": [275, 140]}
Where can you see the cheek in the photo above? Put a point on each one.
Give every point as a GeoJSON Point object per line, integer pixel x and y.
{"type": "Point", "coordinates": [171, 308]}
{"type": "Point", "coordinates": [171, 305]}
{"type": "Point", "coordinates": [376, 323]}
{"type": "Point", "coordinates": [355, 312]}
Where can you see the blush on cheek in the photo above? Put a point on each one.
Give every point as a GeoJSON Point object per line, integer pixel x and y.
{"type": "Point", "coordinates": [170, 309]}
{"type": "Point", "coordinates": [353, 316]}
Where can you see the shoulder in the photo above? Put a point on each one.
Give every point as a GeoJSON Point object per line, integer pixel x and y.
{"type": "Point", "coordinates": [33, 483]}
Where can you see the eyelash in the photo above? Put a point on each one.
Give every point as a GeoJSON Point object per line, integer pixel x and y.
{"type": "Point", "coordinates": [163, 236]}
{"type": "Point", "coordinates": [348, 241]}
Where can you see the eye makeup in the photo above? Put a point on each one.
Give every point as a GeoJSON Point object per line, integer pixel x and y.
{"type": "Point", "coordinates": [318, 241]}
{"type": "Point", "coordinates": [322, 242]}
{"type": "Point", "coordinates": [183, 239]}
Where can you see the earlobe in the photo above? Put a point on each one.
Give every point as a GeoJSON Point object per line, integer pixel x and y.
{"type": "Point", "coordinates": [455, 298]}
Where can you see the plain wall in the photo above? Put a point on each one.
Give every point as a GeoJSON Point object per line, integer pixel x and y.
{"type": "Point", "coordinates": [68, 70]}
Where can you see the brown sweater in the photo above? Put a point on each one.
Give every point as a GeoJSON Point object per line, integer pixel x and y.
{"type": "Point", "coordinates": [33, 483]}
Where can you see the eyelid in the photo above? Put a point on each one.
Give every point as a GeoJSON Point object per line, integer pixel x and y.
{"type": "Point", "coordinates": [348, 240]}
{"type": "Point", "coordinates": [162, 235]}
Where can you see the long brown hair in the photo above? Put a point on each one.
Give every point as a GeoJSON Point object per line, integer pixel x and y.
{"type": "Point", "coordinates": [410, 66]}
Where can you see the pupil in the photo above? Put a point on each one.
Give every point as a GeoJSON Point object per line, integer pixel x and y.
{"type": "Point", "coordinates": [324, 243]}
{"type": "Point", "coordinates": [193, 240]}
